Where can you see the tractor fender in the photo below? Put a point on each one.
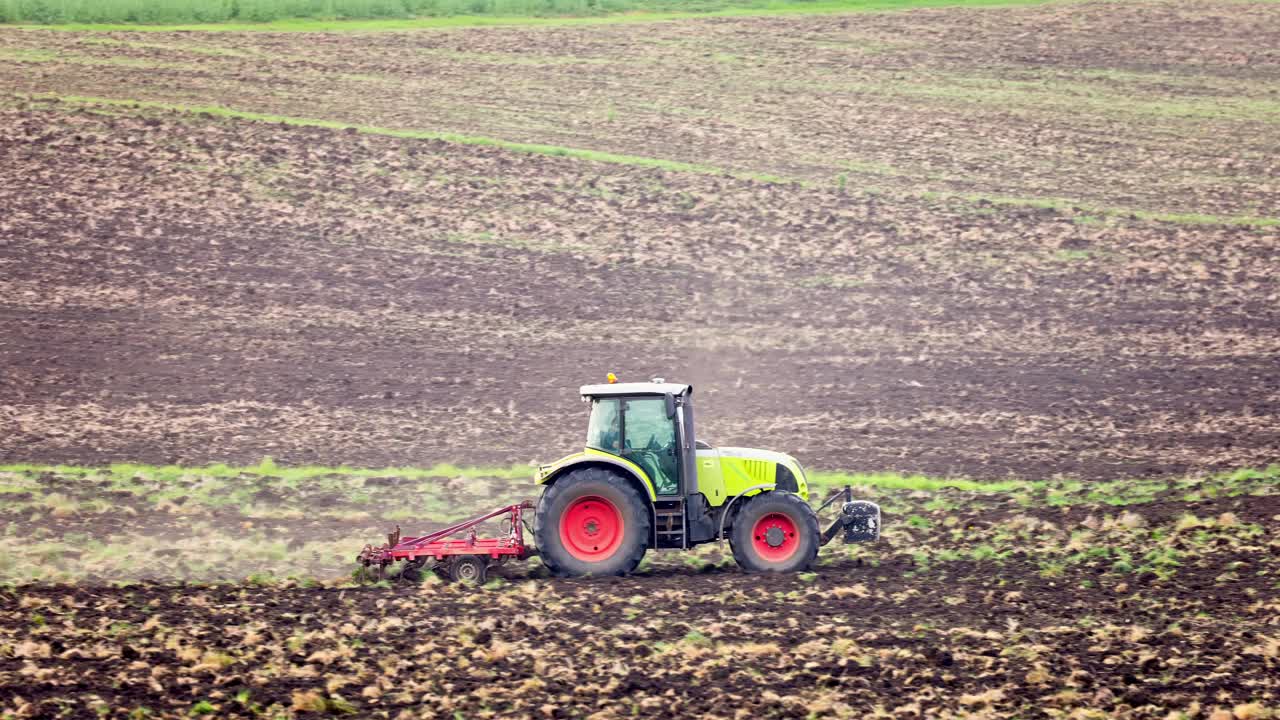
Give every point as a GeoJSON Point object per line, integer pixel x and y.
{"type": "Point", "coordinates": [632, 473]}
{"type": "Point", "coordinates": [729, 506]}
{"type": "Point", "coordinates": [548, 474]}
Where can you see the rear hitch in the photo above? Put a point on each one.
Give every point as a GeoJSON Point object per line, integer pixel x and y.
{"type": "Point", "coordinates": [859, 520]}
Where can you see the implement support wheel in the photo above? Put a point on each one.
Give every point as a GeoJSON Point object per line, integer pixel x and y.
{"type": "Point", "coordinates": [775, 532]}
{"type": "Point", "coordinates": [470, 569]}
{"type": "Point", "coordinates": [591, 522]}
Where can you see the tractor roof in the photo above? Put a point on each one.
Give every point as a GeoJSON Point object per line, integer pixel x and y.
{"type": "Point", "coordinates": [635, 388]}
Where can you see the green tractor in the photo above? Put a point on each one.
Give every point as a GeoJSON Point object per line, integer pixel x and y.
{"type": "Point", "coordinates": [645, 481]}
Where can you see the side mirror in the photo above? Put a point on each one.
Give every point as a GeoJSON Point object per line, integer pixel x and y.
{"type": "Point", "coordinates": [671, 406]}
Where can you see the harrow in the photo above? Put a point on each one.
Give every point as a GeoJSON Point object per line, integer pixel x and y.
{"type": "Point", "coordinates": [465, 559]}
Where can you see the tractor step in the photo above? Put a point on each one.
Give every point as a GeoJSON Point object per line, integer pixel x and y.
{"type": "Point", "coordinates": [669, 523]}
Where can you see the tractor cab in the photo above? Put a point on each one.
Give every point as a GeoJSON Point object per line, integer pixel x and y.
{"type": "Point", "coordinates": [648, 424]}
{"type": "Point", "coordinates": [643, 481]}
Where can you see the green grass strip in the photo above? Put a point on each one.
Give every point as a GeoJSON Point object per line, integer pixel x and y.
{"type": "Point", "coordinates": [826, 479]}
{"type": "Point", "coordinates": [818, 479]}
{"type": "Point", "coordinates": [634, 12]}
{"type": "Point", "coordinates": [531, 148]}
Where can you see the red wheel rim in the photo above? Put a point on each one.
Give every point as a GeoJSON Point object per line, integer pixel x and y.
{"type": "Point", "coordinates": [774, 537]}
{"type": "Point", "coordinates": [591, 528]}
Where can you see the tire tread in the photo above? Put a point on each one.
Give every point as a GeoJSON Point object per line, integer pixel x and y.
{"type": "Point", "coordinates": [553, 556]}
{"type": "Point", "coordinates": [757, 506]}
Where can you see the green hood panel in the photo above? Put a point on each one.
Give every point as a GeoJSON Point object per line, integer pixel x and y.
{"type": "Point", "coordinates": [730, 471]}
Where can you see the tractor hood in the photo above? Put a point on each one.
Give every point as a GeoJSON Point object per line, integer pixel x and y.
{"type": "Point", "coordinates": [742, 468]}
{"type": "Point", "coordinates": [756, 454]}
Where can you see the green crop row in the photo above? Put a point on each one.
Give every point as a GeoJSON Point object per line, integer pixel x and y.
{"type": "Point", "coordinates": [158, 12]}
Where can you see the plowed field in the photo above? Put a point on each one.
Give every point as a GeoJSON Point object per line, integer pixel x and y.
{"type": "Point", "coordinates": [1035, 243]}
{"type": "Point", "coordinates": [187, 288]}
{"type": "Point", "coordinates": [1102, 600]}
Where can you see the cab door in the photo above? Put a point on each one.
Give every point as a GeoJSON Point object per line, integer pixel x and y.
{"type": "Point", "coordinates": [649, 440]}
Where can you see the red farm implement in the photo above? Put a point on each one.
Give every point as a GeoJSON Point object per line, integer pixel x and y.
{"type": "Point", "coordinates": [456, 549]}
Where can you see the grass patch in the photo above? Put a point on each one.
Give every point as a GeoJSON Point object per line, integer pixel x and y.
{"type": "Point", "coordinates": [390, 15]}
{"type": "Point", "coordinates": [1045, 492]}
{"type": "Point", "coordinates": [1119, 492]}
{"type": "Point", "coordinates": [891, 481]}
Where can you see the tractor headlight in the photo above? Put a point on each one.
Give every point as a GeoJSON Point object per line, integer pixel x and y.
{"type": "Point", "coordinates": [801, 479]}
{"type": "Point", "coordinates": [799, 471]}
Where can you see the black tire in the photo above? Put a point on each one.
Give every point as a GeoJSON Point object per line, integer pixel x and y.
{"type": "Point", "coordinates": [470, 569]}
{"type": "Point", "coordinates": [411, 571]}
{"type": "Point", "coordinates": [571, 555]}
{"type": "Point", "coordinates": [787, 511]}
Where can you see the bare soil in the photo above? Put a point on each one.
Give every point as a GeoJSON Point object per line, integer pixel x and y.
{"type": "Point", "coordinates": [1155, 106]}
{"type": "Point", "coordinates": [190, 290]}
{"type": "Point", "coordinates": [971, 605]}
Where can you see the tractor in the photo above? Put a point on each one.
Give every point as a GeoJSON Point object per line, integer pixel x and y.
{"type": "Point", "coordinates": [644, 481]}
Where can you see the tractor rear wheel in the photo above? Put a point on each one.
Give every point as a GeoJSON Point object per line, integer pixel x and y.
{"type": "Point", "coordinates": [775, 532]}
{"type": "Point", "coordinates": [591, 522]}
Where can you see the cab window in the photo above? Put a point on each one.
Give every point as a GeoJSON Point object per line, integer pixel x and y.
{"type": "Point", "coordinates": [650, 442]}
{"type": "Point", "coordinates": [604, 428]}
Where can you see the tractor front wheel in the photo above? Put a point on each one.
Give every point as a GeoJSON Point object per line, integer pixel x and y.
{"type": "Point", "coordinates": [591, 522]}
{"type": "Point", "coordinates": [775, 532]}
